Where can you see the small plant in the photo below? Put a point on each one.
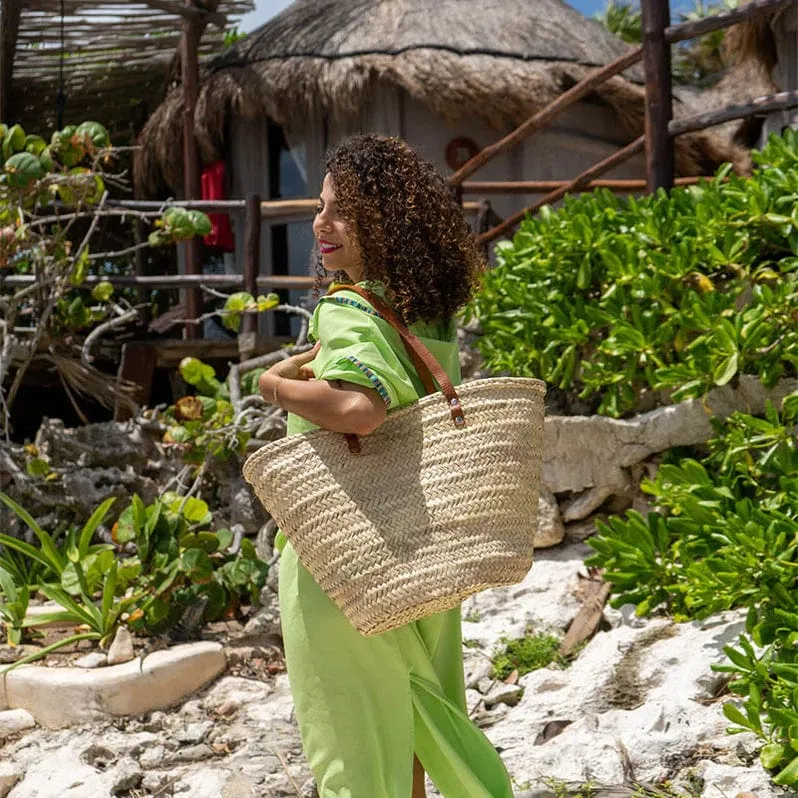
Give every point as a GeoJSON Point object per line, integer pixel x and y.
{"type": "Point", "coordinates": [204, 425]}
{"type": "Point", "coordinates": [179, 562]}
{"type": "Point", "coordinates": [526, 654]}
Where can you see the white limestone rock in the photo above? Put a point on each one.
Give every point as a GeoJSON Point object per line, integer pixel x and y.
{"type": "Point", "coordinates": [121, 649]}
{"type": "Point", "coordinates": [550, 530]}
{"type": "Point", "coordinates": [10, 774]}
{"type": "Point", "coordinates": [94, 659]}
{"type": "Point", "coordinates": [15, 720]}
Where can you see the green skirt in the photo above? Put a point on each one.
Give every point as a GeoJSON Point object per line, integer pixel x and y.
{"type": "Point", "coordinates": [365, 705]}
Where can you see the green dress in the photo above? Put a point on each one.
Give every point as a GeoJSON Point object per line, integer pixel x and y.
{"type": "Point", "coordinates": [365, 705]}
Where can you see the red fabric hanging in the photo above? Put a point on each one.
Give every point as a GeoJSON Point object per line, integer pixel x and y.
{"type": "Point", "coordinates": [221, 236]}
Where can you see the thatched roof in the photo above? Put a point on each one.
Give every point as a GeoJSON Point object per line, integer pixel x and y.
{"type": "Point", "coordinates": [753, 43]}
{"type": "Point", "coordinates": [116, 55]}
{"type": "Point", "coordinates": [498, 61]}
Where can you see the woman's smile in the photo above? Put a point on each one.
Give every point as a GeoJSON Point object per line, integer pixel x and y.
{"type": "Point", "coordinates": [327, 247]}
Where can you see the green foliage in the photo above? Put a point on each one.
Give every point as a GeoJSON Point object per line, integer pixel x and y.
{"type": "Point", "coordinates": [726, 535]}
{"type": "Point", "coordinates": [613, 299]}
{"type": "Point", "coordinates": [241, 302]}
{"type": "Point", "coordinates": [203, 426]}
{"type": "Point", "coordinates": [624, 20]}
{"type": "Point", "coordinates": [231, 36]}
{"type": "Point", "coordinates": [526, 654]}
{"type": "Point", "coordinates": [698, 62]}
{"type": "Point", "coordinates": [13, 606]}
{"type": "Point", "coordinates": [179, 224]}
{"type": "Point", "coordinates": [179, 562]}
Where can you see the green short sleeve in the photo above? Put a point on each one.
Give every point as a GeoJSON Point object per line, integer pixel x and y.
{"type": "Point", "coordinates": [356, 347]}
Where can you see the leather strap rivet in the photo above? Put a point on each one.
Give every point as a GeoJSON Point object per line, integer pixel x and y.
{"type": "Point", "coordinates": [459, 420]}
{"type": "Point", "coordinates": [454, 402]}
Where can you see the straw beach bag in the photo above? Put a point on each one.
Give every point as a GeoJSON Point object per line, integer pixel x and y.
{"type": "Point", "coordinates": [438, 503]}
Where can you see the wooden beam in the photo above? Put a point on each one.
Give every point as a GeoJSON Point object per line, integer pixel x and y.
{"type": "Point", "coordinates": [252, 231]}
{"type": "Point", "coordinates": [548, 114]}
{"type": "Point", "coordinates": [189, 64]}
{"type": "Point", "coordinates": [589, 174]}
{"type": "Point", "coordinates": [761, 105]}
{"type": "Point", "coordinates": [269, 209]}
{"type": "Point", "coordinates": [154, 281]}
{"type": "Point", "coordinates": [9, 30]}
{"type": "Point", "coordinates": [545, 186]}
{"type": "Point", "coordinates": [660, 158]}
{"type": "Point", "coordinates": [188, 12]}
{"type": "Point", "coordinates": [689, 30]}
{"type": "Point", "coordinates": [169, 353]}
{"type": "Point", "coordinates": [137, 366]}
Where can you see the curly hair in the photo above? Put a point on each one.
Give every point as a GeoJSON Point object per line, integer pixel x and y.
{"type": "Point", "coordinates": [411, 233]}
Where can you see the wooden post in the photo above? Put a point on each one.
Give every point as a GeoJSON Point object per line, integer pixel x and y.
{"type": "Point", "coordinates": [144, 295]}
{"type": "Point", "coordinates": [659, 101]}
{"type": "Point", "coordinates": [252, 231]}
{"type": "Point", "coordinates": [189, 46]}
{"type": "Point", "coordinates": [137, 366]}
{"type": "Point", "coordinates": [8, 45]}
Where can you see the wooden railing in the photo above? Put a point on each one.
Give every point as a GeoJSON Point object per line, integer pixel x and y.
{"type": "Point", "coordinates": [660, 127]}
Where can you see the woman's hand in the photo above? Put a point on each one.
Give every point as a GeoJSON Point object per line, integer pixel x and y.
{"type": "Point", "coordinates": [337, 406]}
{"type": "Point", "coordinates": [292, 368]}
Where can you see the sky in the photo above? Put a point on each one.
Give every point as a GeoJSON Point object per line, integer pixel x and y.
{"type": "Point", "coordinates": [266, 9]}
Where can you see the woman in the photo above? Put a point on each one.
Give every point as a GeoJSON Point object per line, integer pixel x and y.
{"type": "Point", "coordinates": [376, 712]}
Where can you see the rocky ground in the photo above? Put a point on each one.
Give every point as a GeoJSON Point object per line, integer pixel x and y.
{"type": "Point", "coordinates": [639, 709]}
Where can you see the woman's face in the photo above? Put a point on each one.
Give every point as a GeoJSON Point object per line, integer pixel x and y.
{"type": "Point", "coordinates": [339, 250]}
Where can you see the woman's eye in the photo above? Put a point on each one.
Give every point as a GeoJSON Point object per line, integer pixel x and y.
{"type": "Point", "coordinates": [319, 209]}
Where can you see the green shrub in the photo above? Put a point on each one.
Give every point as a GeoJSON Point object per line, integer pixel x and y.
{"type": "Point", "coordinates": [526, 654]}
{"type": "Point", "coordinates": [613, 298]}
{"type": "Point", "coordinates": [726, 535]}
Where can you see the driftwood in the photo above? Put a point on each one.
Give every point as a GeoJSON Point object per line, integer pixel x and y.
{"type": "Point", "coordinates": [589, 617]}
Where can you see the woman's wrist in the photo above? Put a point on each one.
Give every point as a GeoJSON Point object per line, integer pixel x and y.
{"type": "Point", "coordinates": [275, 395]}
{"type": "Point", "coordinates": [268, 385]}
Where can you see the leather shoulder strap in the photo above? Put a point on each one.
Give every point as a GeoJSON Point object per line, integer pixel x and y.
{"type": "Point", "coordinates": [426, 365]}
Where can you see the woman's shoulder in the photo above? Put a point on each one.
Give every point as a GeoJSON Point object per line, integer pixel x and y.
{"type": "Point", "coordinates": [347, 298]}
{"type": "Point", "coordinates": [345, 309]}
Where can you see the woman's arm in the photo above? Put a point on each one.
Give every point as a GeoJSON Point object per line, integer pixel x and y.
{"type": "Point", "coordinates": [336, 406]}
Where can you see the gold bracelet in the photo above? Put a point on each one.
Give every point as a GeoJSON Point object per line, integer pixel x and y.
{"type": "Point", "coordinates": [275, 397]}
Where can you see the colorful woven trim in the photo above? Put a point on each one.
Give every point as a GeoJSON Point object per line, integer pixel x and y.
{"type": "Point", "coordinates": [373, 379]}
{"type": "Point", "coordinates": [344, 300]}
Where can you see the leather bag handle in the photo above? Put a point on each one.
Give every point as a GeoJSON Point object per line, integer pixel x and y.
{"type": "Point", "coordinates": [428, 368]}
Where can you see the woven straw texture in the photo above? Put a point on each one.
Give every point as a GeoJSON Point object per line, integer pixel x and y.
{"type": "Point", "coordinates": [427, 514]}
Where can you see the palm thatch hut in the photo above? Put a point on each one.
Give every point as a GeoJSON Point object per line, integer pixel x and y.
{"type": "Point", "coordinates": [448, 76]}
{"type": "Point", "coordinates": [766, 50]}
